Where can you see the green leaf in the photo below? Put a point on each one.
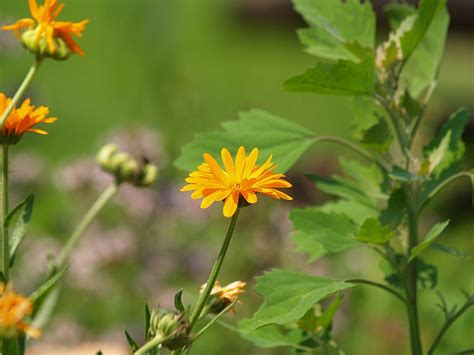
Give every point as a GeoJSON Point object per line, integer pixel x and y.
{"type": "Point", "coordinates": [23, 212]}
{"type": "Point", "coordinates": [131, 342]}
{"type": "Point", "coordinates": [400, 174]}
{"type": "Point", "coordinates": [451, 251]}
{"type": "Point", "coordinates": [271, 134]}
{"type": "Point", "coordinates": [147, 320]}
{"type": "Point", "coordinates": [289, 295]}
{"type": "Point", "coordinates": [38, 296]}
{"type": "Point", "coordinates": [356, 212]}
{"type": "Point", "coordinates": [335, 25]}
{"type": "Point", "coordinates": [178, 303]}
{"type": "Point", "coordinates": [378, 137]}
{"type": "Point", "coordinates": [325, 320]}
{"type": "Point", "coordinates": [427, 275]}
{"type": "Point", "coordinates": [429, 239]}
{"type": "Point", "coordinates": [373, 232]}
{"type": "Point", "coordinates": [397, 12]}
{"type": "Point", "coordinates": [344, 77]}
{"type": "Point", "coordinates": [447, 149]}
{"type": "Point", "coordinates": [421, 70]}
{"type": "Point", "coordinates": [427, 11]}
{"type": "Point", "coordinates": [367, 113]}
{"type": "Point", "coordinates": [394, 213]}
{"type": "Point", "coordinates": [270, 336]}
{"type": "Point", "coordinates": [319, 232]}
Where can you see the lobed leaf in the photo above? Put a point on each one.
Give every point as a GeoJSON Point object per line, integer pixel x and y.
{"type": "Point", "coordinates": [271, 134]}
{"type": "Point", "coordinates": [372, 231]}
{"type": "Point", "coordinates": [288, 295]}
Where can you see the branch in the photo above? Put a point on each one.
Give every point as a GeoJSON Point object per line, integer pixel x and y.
{"type": "Point", "coordinates": [378, 285]}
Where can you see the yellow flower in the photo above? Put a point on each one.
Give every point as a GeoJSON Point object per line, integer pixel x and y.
{"type": "Point", "coordinates": [240, 178]}
{"type": "Point", "coordinates": [14, 308]}
{"type": "Point", "coordinates": [22, 120]}
{"type": "Point", "coordinates": [53, 34]}
{"type": "Point", "coordinates": [221, 297]}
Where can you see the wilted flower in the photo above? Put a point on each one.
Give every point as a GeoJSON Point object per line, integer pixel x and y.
{"type": "Point", "coordinates": [14, 308]}
{"type": "Point", "coordinates": [222, 297]}
{"type": "Point", "coordinates": [242, 177]}
{"type": "Point", "coordinates": [45, 36]}
{"type": "Point", "coordinates": [22, 120]}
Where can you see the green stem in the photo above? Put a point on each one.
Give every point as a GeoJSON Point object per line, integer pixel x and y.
{"type": "Point", "coordinates": [21, 90]}
{"type": "Point", "coordinates": [411, 287]}
{"type": "Point", "coordinates": [385, 166]}
{"type": "Point", "coordinates": [4, 213]}
{"type": "Point", "coordinates": [378, 285]}
{"type": "Point", "coordinates": [65, 253]}
{"type": "Point", "coordinates": [447, 324]}
{"type": "Point", "coordinates": [157, 340]}
{"type": "Point", "coordinates": [214, 273]}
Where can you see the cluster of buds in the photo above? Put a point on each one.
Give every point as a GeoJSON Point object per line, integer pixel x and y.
{"type": "Point", "coordinates": [171, 326]}
{"type": "Point", "coordinates": [126, 168]}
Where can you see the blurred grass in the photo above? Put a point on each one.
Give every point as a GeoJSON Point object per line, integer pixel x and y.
{"type": "Point", "coordinates": [183, 67]}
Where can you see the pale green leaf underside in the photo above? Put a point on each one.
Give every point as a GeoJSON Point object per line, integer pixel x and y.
{"type": "Point", "coordinates": [372, 231]}
{"type": "Point", "coordinates": [271, 134]}
{"type": "Point", "coordinates": [429, 239]}
{"type": "Point", "coordinates": [288, 295]}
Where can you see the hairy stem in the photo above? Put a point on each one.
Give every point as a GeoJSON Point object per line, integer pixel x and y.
{"type": "Point", "coordinates": [380, 286]}
{"type": "Point", "coordinates": [105, 197]}
{"type": "Point", "coordinates": [21, 90]}
{"type": "Point", "coordinates": [4, 213]}
{"type": "Point", "coordinates": [214, 273]}
{"type": "Point", "coordinates": [448, 323]}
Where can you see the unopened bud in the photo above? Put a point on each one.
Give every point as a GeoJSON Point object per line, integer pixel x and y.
{"type": "Point", "coordinates": [126, 168]}
{"type": "Point", "coordinates": [169, 325]}
{"type": "Point", "coordinates": [37, 44]}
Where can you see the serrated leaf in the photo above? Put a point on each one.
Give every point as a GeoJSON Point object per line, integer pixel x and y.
{"type": "Point", "coordinates": [397, 12]}
{"type": "Point", "coordinates": [356, 212]}
{"type": "Point", "coordinates": [373, 232]}
{"type": "Point", "coordinates": [22, 212]}
{"type": "Point", "coordinates": [270, 336]}
{"type": "Point", "coordinates": [271, 134]}
{"type": "Point", "coordinates": [334, 25]}
{"type": "Point", "coordinates": [318, 232]}
{"type": "Point", "coordinates": [367, 113]}
{"type": "Point", "coordinates": [288, 295]}
{"type": "Point", "coordinates": [344, 77]}
{"type": "Point", "coordinates": [427, 11]}
{"type": "Point", "coordinates": [429, 239]}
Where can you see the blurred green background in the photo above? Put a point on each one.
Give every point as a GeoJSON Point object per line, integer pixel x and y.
{"type": "Point", "coordinates": [177, 68]}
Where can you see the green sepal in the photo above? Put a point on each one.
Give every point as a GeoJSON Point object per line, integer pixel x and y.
{"type": "Point", "coordinates": [178, 303]}
{"type": "Point", "coordinates": [131, 342]}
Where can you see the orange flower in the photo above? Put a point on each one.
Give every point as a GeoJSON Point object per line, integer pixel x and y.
{"type": "Point", "coordinates": [14, 308]}
{"type": "Point", "coordinates": [22, 120]}
{"type": "Point", "coordinates": [221, 297]}
{"type": "Point", "coordinates": [240, 178]}
{"type": "Point", "coordinates": [52, 33]}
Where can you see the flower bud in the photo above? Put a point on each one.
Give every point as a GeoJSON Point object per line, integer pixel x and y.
{"type": "Point", "coordinates": [38, 45]}
{"type": "Point", "coordinates": [126, 168]}
{"type": "Point", "coordinates": [169, 325]}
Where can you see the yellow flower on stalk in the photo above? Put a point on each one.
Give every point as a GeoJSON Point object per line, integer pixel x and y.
{"type": "Point", "coordinates": [242, 177]}
{"type": "Point", "coordinates": [222, 297]}
{"type": "Point", "coordinates": [22, 120]}
{"type": "Point", "coordinates": [14, 308]}
{"type": "Point", "coordinates": [43, 35]}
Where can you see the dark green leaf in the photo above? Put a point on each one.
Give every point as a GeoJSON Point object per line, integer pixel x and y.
{"type": "Point", "coordinates": [131, 342]}
{"type": "Point", "coordinates": [178, 303]}
{"type": "Point", "coordinates": [285, 140]}
{"type": "Point", "coordinates": [23, 214]}
{"type": "Point", "coordinates": [429, 239]}
{"type": "Point", "coordinates": [335, 25]}
{"type": "Point", "coordinates": [373, 232]}
{"type": "Point", "coordinates": [319, 232]}
{"type": "Point", "coordinates": [421, 70]}
{"type": "Point", "coordinates": [394, 213]}
{"type": "Point", "coordinates": [399, 174]}
{"type": "Point", "coordinates": [289, 295]}
{"type": "Point", "coordinates": [427, 275]}
{"type": "Point", "coordinates": [397, 12]}
{"type": "Point", "coordinates": [344, 77]}
{"type": "Point", "coordinates": [427, 11]}
{"type": "Point", "coordinates": [450, 251]}
{"type": "Point", "coordinates": [147, 320]}
{"type": "Point", "coordinates": [378, 137]}
{"type": "Point", "coordinates": [10, 347]}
